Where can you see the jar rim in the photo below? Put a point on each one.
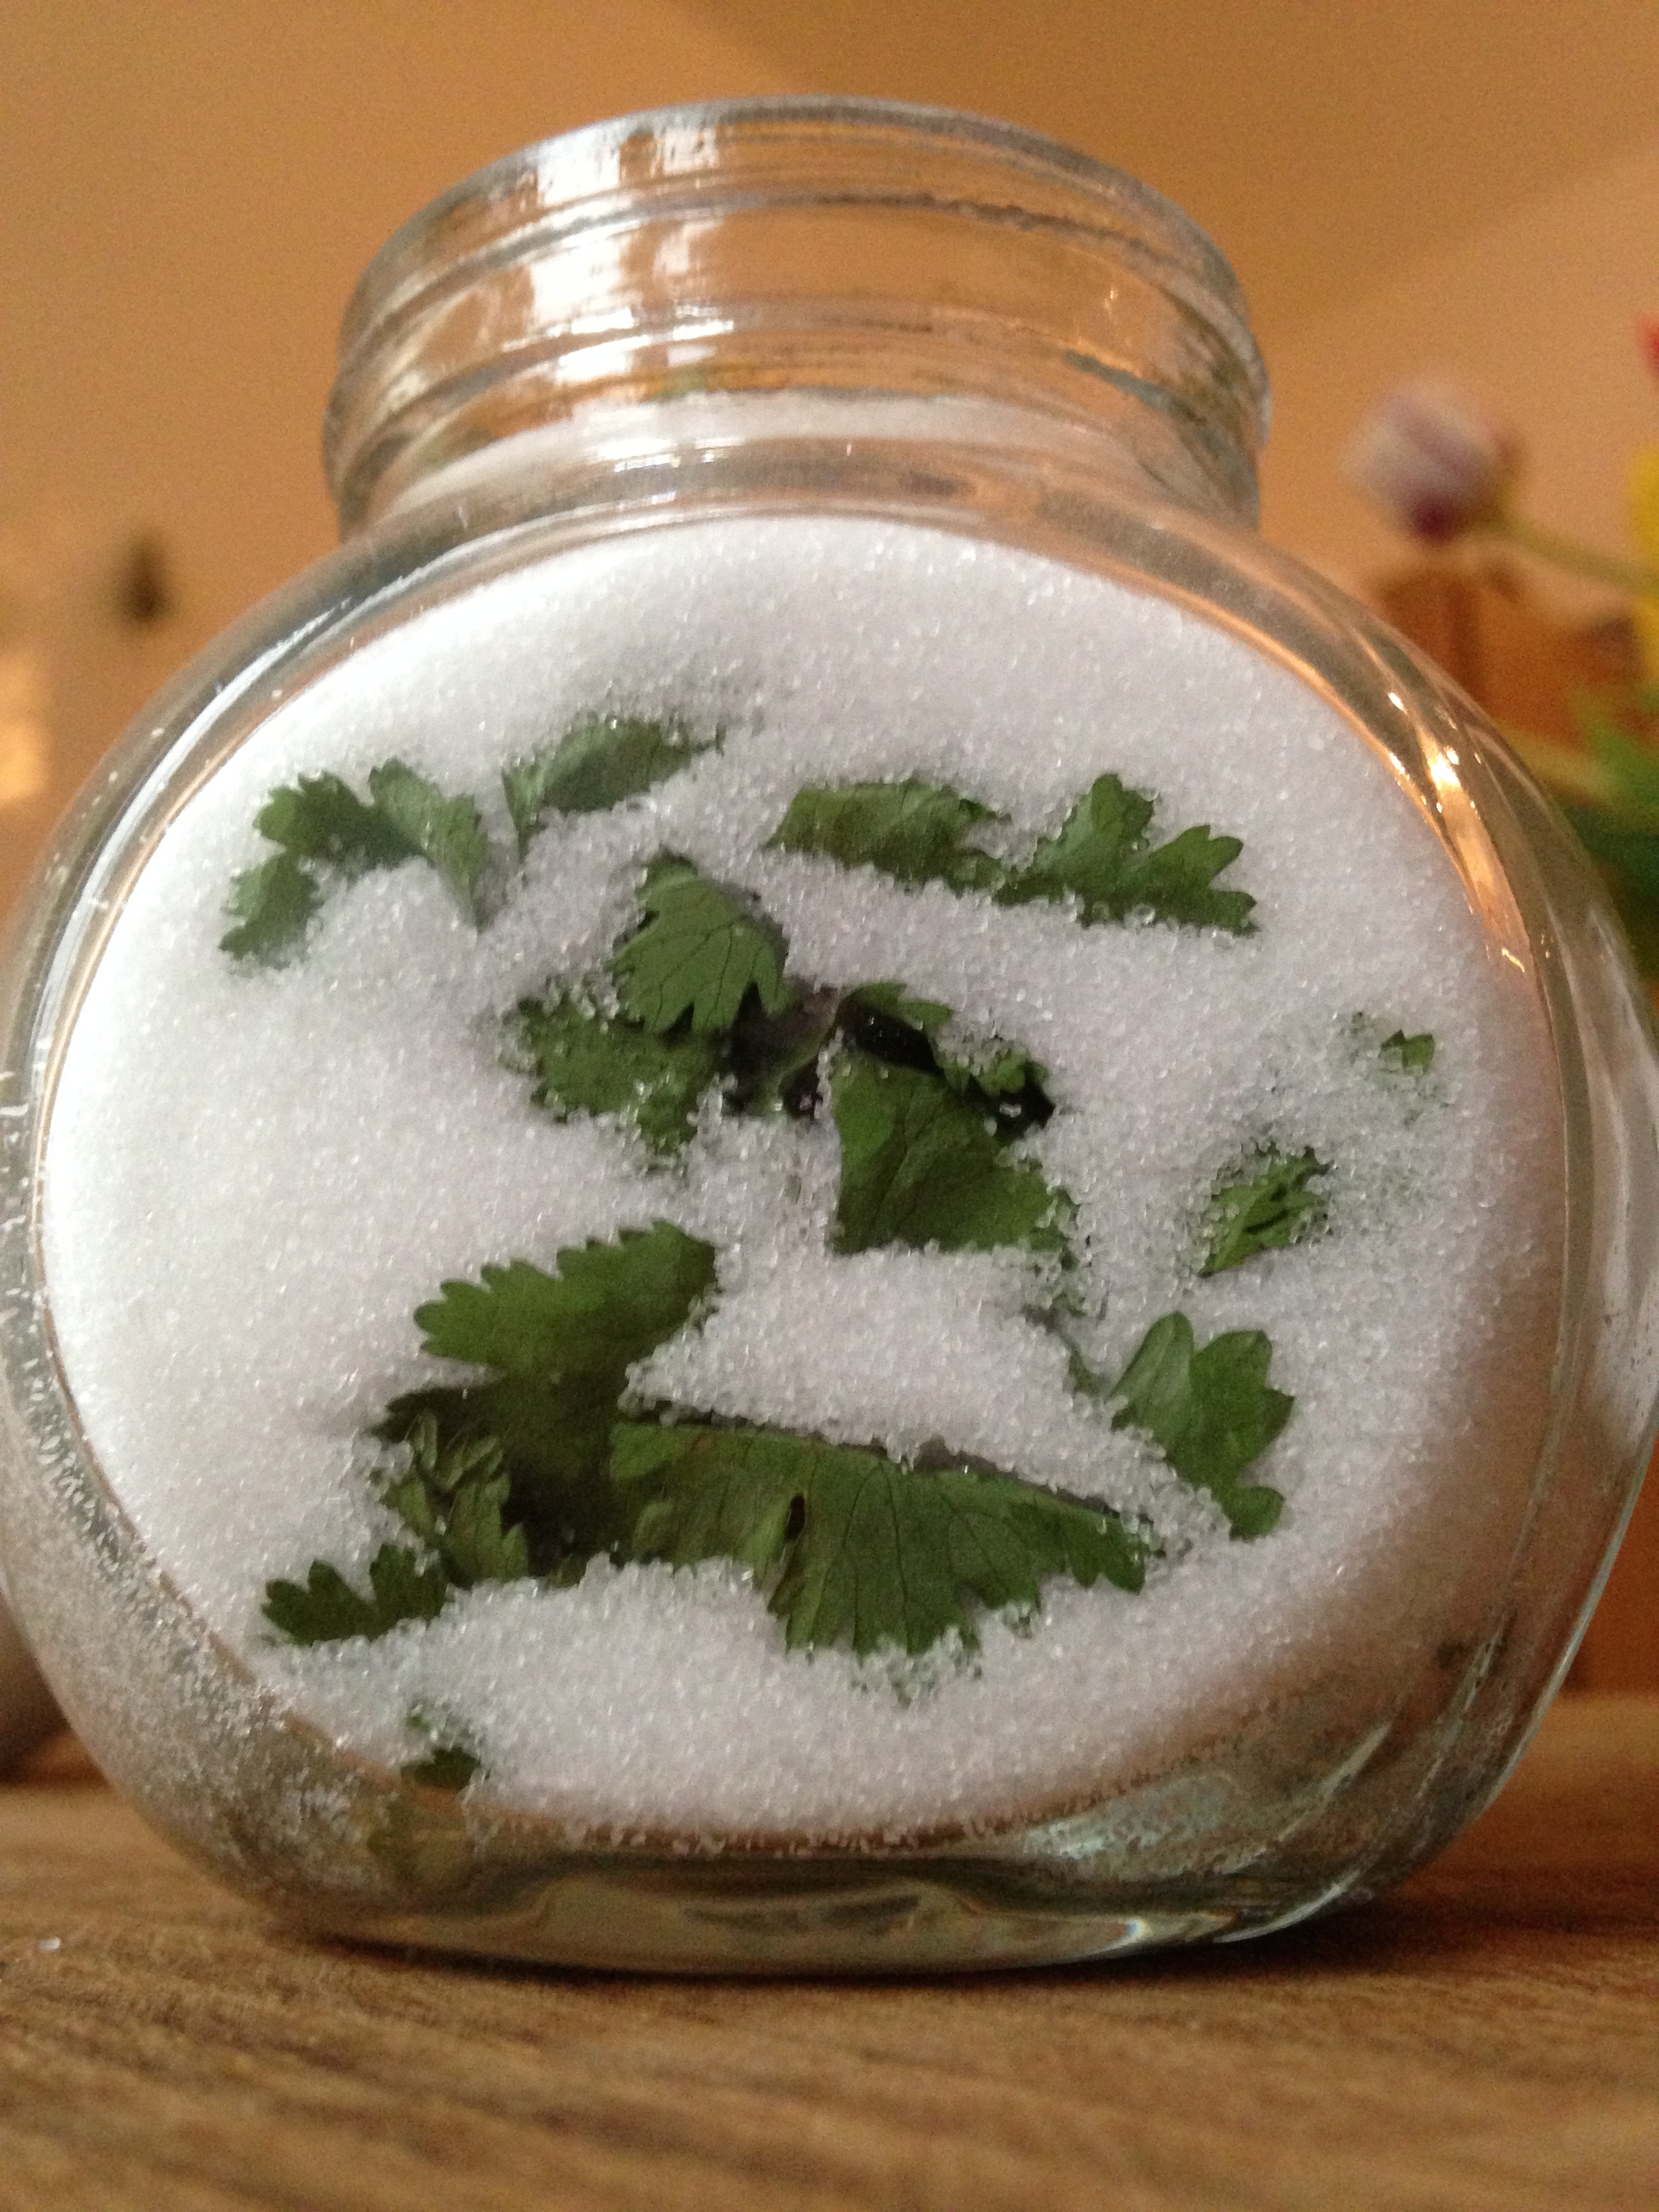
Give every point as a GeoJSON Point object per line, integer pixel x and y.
{"type": "Point", "coordinates": [569, 153]}
{"type": "Point", "coordinates": [691, 163]}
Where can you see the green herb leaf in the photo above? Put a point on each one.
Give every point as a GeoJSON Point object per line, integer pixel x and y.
{"type": "Point", "coordinates": [1627, 859]}
{"type": "Point", "coordinates": [1001, 1072]}
{"type": "Point", "coordinates": [873, 1553]}
{"type": "Point", "coordinates": [446, 1766]}
{"type": "Point", "coordinates": [1210, 1412]}
{"type": "Point", "coordinates": [922, 1165]}
{"type": "Point", "coordinates": [446, 833]}
{"type": "Point", "coordinates": [1100, 858]}
{"type": "Point", "coordinates": [452, 1496]}
{"type": "Point", "coordinates": [1266, 1209]}
{"type": "Point", "coordinates": [882, 1020]}
{"type": "Point", "coordinates": [608, 1306]}
{"type": "Point", "coordinates": [773, 1059]}
{"type": "Point", "coordinates": [1411, 1054]}
{"type": "Point", "coordinates": [1632, 768]}
{"type": "Point", "coordinates": [271, 906]}
{"type": "Point", "coordinates": [929, 1016]}
{"type": "Point", "coordinates": [596, 764]}
{"type": "Point", "coordinates": [322, 818]}
{"type": "Point", "coordinates": [322, 821]}
{"type": "Point", "coordinates": [700, 952]}
{"type": "Point", "coordinates": [474, 1545]}
{"type": "Point", "coordinates": [325, 1608]}
{"type": "Point", "coordinates": [590, 1063]}
{"type": "Point", "coordinates": [560, 1347]}
{"type": "Point", "coordinates": [912, 832]}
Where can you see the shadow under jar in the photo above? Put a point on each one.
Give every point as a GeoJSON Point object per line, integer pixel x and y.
{"type": "Point", "coordinates": [806, 1183]}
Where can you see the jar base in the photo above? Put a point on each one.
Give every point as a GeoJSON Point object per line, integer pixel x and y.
{"type": "Point", "coordinates": [816, 1916]}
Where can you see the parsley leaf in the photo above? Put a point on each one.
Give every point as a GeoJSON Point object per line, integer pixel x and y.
{"type": "Point", "coordinates": [700, 952]}
{"type": "Point", "coordinates": [1210, 1412]}
{"type": "Point", "coordinates": [1101, 859]}
{"type": "Point", "coordinates": [1266, 1210]}
{"type": "Point", "coordinates": [325, 1607]}
{"type": "Point", "coordinates": [596, 764]}
{"type": "Point", "coordinates": [588, 1062]}
{"type": "Point", "coordinates": [912, 832]}
{"type": "Point", "coordinates": [872, 1553]}
{"type": "Point", "coordinates": [446, 832]}
{"type": "Point", "coordinates": [559, 1347]}
{"type": "Point", "coordinates": [922, 1165]}
{"type": "Point", "coordinates": [322, 818]}
{"type": "Point", "coordinates": [1411, 1055]}
{"type": "Point", "coordinates": [271, 907]}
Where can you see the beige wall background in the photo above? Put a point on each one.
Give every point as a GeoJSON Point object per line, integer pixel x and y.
{"type": "Point", "coordinates": [190, 187]}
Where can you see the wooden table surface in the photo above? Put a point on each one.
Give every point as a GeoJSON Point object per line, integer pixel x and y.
{"type": "Point", "coordinates": [1487, 2039]}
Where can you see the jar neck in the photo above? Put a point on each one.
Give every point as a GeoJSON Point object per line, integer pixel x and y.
{"type": "Point", "coordinates": [862, 250]}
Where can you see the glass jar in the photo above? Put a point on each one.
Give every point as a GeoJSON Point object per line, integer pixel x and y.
{"type": "Point", "coordinates": [1042, 1156]}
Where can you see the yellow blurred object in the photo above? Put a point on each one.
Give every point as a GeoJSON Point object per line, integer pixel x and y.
{"type": "Point", "coordinates": [1641, 497]}
{"type": "Point", "coordinates": [25, 752]}
{"type": "Point", "coordinates": [1526, 669]}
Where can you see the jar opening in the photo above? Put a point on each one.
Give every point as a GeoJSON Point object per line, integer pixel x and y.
{"type": "Point", "coordinates": [856, 247]}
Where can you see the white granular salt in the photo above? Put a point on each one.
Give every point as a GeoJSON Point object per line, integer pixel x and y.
{"type": "Point", "coordinates": [254, 1178]}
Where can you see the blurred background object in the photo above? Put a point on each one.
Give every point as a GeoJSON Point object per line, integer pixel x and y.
{"type": "Point", "coordinates": [1578, 701]}
{"type": "Point", "coordinates": [193, 186]}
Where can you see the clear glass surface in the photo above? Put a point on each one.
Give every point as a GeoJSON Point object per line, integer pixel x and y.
{"type": "Point", "coordinates": [780, 309]}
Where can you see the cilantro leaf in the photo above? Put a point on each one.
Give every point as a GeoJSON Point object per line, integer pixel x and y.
{"type": "Point", "coordinates": [1265, 1210]}
{"type": "Point", "coordinates": [325, 1607]}
{"type": "Point", "coordinates": [608, 1306]}
{"type": "Point", "coordinates": [1411, 1054]}
{"type": "Point", "coordinates": [912, 832]}
{"type": "Point", "coordinates": [1100, 858]}
{"type": "Point", "coordinates": [446, 832]}
{"type": "Point", "coordinates": [700, 952]}
{"type": "Point", "coordinates": [322, 818]}
{"type": "Point", "coordinates": [1005, 1074]}
{"type": "Point", "coordinates": [896, 1003]}
{"type": "Point", "coordinates": [271, 907]}
{"type": "Point", "coordinates": [559, 1347]}
{"type": "Point", "coordinates": [884, 1021]}
{"type": "Point", "coordinates": [872, 1553]}
{"type": "Point", "coordinates": [320, 821]}
{"type": "Point", "coordinates": [1210, 1412]}
{"type": "Point", "coordinates": [920, 1165]}
{"type": "Point", "coordinates": [453, 1497]}
{"type": "Point", "coordinates": [773, 1059]}
{"type": "Point", "coordinates": [474, 1545]}
{"type": "Point", "coordinates": [588, 1062]}
{"type": "Point", "coordinates": [597, 762]}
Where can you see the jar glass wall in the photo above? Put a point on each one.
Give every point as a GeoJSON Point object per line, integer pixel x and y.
{"type": "Point", "coordinates": [905, 1217]}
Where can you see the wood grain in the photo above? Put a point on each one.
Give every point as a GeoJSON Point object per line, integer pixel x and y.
{"type": "Point", "coordinates": [1484, 2040]}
